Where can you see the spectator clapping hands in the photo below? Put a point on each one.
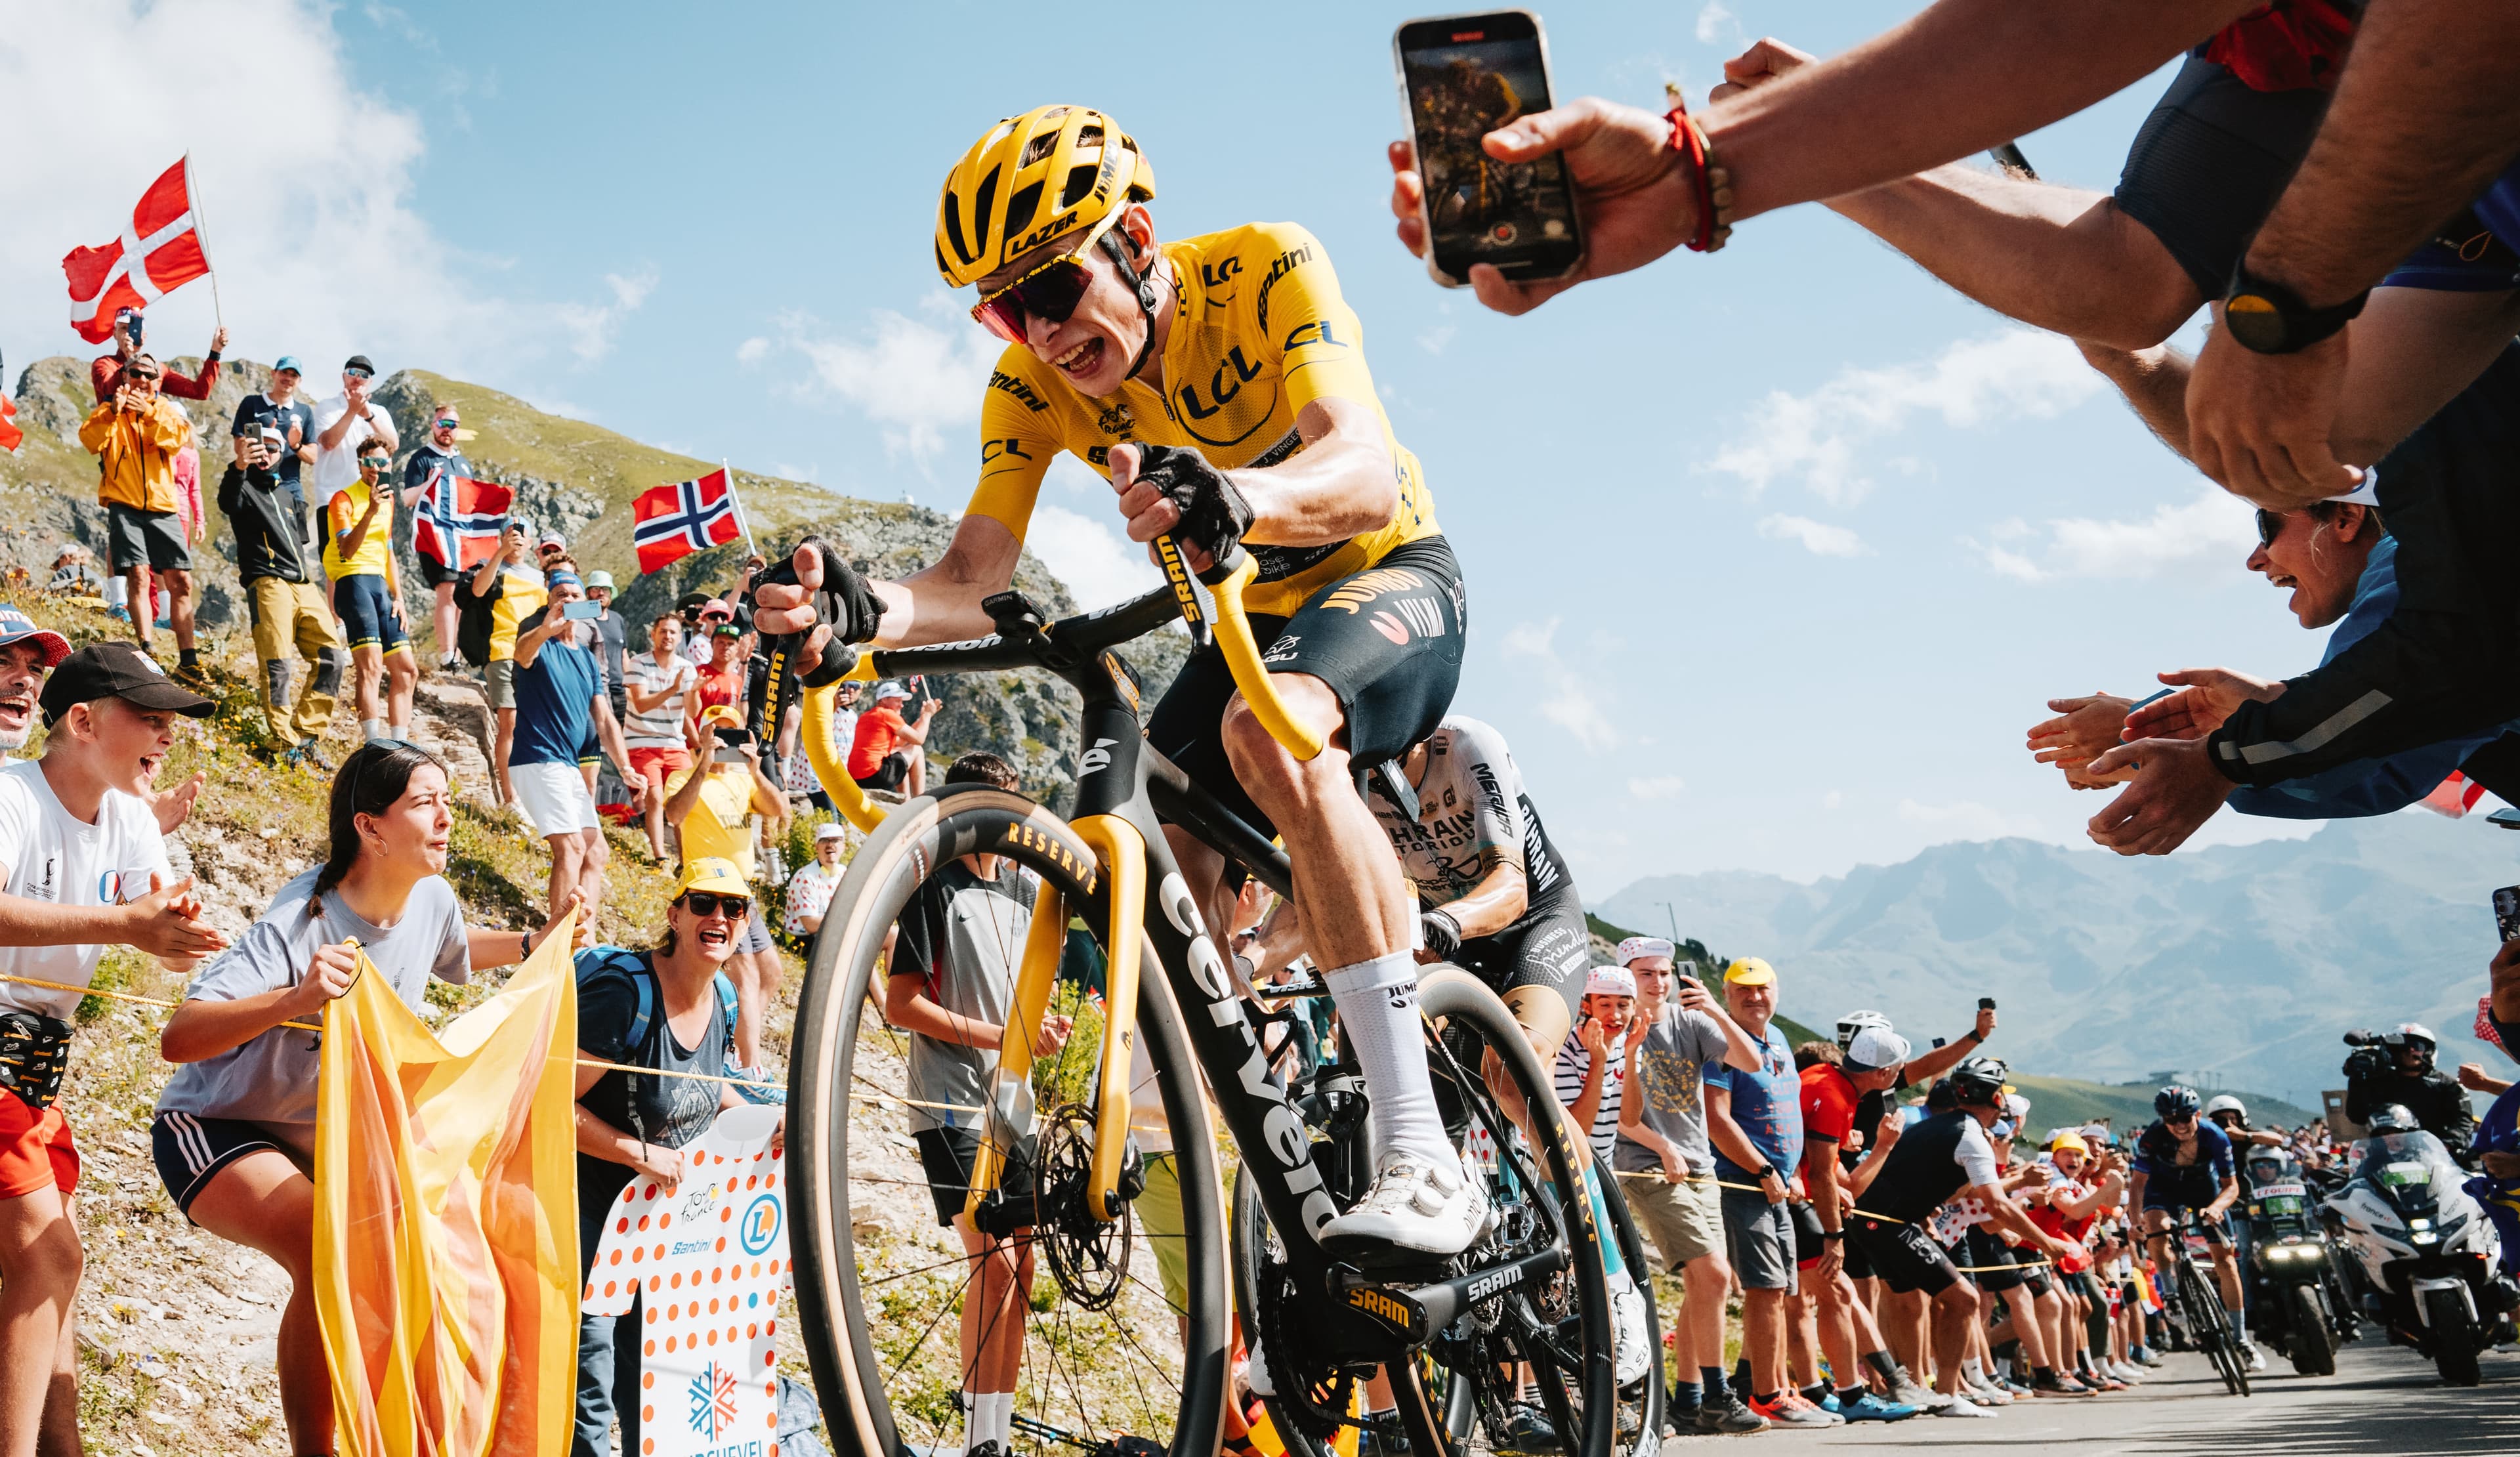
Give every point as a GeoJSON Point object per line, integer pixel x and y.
{"type": "Point", "coordinates": [2084, 729]}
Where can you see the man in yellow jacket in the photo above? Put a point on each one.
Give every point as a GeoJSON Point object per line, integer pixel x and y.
{"type": "Point", "coordinates": [134, 435]}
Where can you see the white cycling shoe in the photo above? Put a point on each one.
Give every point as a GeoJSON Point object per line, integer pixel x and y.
{"type": "Point", "coordinates": [1635, 1351]}
{"type": "Point", "coordinates": [1412, 1205]}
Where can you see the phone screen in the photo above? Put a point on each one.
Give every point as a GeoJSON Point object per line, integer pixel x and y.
{"type": "Point", "coordinates": [1463, 77]}
{"type": "Point", "coordinates": [2506, 912]}
{"type": "Point", "coordinates": [582, 611]}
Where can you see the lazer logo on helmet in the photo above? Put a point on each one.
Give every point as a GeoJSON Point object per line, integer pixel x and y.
{"type": "Point", "coordinates": [1057, 227]}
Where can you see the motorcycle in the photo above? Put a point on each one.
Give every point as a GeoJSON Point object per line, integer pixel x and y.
{"type": "Point", "coordinates": [2427, 1253]}
{"type": "Point", "coordinates": [2289, 1265]}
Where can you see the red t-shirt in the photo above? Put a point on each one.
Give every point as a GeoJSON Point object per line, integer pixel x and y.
{"type": "Point", "coordinates": [722, 688]}
{"type": "Point", "coordinates": [1828, 1103]}
{"type": "Point", "coordinates": [2047, 1217]}
{"type": "Point", "coordinates": [879, 730]}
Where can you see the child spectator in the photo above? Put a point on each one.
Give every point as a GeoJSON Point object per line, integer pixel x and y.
{"type": "Point", "coordinates": [1592, 1063]}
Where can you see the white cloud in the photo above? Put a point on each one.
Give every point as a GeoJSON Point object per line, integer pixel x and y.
{"type": "Point", "coordinates": [911, 378]}
{"type": "Point", "coordinates": [1099, 564]}
{"type": "Point", "coordinates": [1567, 698]}
{"type": "Point", "coordinates": [594, 326]}
{"type": "Point", "coordinates": [1818, 538]}
{"type": "Point", "coordinates": [1827, 438]}
{"type": "Point", "coordinates": [1658, 786]}
{"type": "Point", "coordinates": [1434, 340]}
{"type": "Point", "coordinates": [2211, 528]}
{"type": "Point", "coordinates": [1968, 819]}
{"type": "Point", "coordinates": [752, 350]}
{"type": "Point", "coordinates": [1714, 22]}
{"type": "Point", "coordinates": [319, 250]}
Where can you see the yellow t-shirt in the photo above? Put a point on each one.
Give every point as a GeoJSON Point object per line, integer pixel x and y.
{"type": "Point", "coordinates": [1261, 331]}
{"type": "Point", "coordinates": [375, 549]}
{"type": "Point", "coordinates": [720, 823]}
{"type": "Point", "coordinates": [521, 592]}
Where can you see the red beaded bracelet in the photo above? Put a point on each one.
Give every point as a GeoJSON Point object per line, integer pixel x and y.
{"type": "Point", "coordinates": [1712, 184]}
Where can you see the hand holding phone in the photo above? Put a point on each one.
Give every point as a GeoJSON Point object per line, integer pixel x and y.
{"type": "Point", "coordinates": [1462, 77]}
{"type": "Point", "coordinates": [583, 611]}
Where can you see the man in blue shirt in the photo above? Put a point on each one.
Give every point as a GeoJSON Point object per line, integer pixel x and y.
{"type": "Point", "coordinates": [1755, 1121]}
{"type": "Point", "coordinates": [560, 695]}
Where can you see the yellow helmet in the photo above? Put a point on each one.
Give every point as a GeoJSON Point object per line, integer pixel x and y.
{"type": "Point", "coordinates": [1033, 179]}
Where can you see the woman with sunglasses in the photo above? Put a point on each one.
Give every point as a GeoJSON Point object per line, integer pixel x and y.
{"type": "Point", "coordinates": [235, 1131]}
{"type": "Point", "coordinates": [1220, 381]}
{"type": "Point", "coordinates": [671, 1008]}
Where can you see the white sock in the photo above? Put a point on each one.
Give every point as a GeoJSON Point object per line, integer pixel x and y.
{"type": "Point", "coordinates": [1002, 1418]}
{"type": "Point", "coordinates": [1377, 1006]}
{"type": "Point", "coordinates": [373, 729]}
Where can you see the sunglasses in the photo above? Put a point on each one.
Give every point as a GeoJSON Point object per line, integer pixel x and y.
{"type": "Point", "coordinates": [707, 903]}
{"type": "Point", "coordinates": [357, 374]}
{"type": "Point", "coordinates": [2270, 526]}
{"type": "Point", "coordinates": [448, 424]}
{"type": "Point", "coordinates": [1049, 293]}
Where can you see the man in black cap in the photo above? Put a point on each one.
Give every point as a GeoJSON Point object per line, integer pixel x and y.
{"type": "Point", "coordinates": [82, 866]}
{"type": "Point", "coordinates": [284, 596]}
{"type": "Point", "coordinates": [345, 422]}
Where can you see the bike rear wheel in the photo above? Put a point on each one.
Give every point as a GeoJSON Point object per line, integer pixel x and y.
{"type": "Point", "coordinates": [1562, 1327]}
{"type": "Point", "coordinates": [882, 1290]}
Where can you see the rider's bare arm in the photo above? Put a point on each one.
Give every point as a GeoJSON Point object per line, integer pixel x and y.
{"type": "Point", "coordinates": [941, 604]}
{"type": "Point", "coordinates": [1496, 902]}
{"type": "Point", "coordinates": [1342, 483]}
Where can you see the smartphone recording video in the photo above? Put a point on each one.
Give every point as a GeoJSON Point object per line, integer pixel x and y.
{"type": "Point", "coordinates": [2506, 912]}
{"type": "Point", "coordinates": [1461, 77]}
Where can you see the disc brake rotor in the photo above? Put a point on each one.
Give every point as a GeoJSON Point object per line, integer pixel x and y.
{"type": "Point", "coordinates": [1089, 1258]}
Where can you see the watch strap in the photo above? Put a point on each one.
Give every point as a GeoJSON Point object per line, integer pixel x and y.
{"type": "Point", "coordinates": [2265, 317]}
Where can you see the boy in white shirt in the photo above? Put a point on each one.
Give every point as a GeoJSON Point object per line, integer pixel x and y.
{"type": "Point", "coordinates": [82, 866]}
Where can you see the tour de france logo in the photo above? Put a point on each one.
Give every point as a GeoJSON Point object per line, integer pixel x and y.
{"type": "Point", "coordinates": [713, 1398]}
{"type": "Point", "coordinates": [761, 1220]}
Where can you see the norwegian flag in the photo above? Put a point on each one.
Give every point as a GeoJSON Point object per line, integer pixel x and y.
{"type": "Point", "coordinates": [2454, 797]}
{"type": "Point", "coordinates": [160, 251]}
{"type": "Point", "coordinates": [459, 520]}
{"type": "Point", "coordinates": [686, 517]}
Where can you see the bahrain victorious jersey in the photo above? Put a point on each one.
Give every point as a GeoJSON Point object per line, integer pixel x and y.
{"type": "Point", "coordinates": [1473, 815]}
{"type": "Point", "coordinates": [1261, 333]}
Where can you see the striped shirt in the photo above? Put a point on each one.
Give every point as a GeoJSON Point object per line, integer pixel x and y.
{"type": "Point", "coordinates": [1574, 1065]}
{"type": "Point", "coordinates": [660, 727]}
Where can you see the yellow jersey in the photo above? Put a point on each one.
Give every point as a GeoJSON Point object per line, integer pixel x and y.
{"type": "Point", "coordinates": [720, 823]}
{"type": "Point", "coordinates": [375, 549]}
{"type": "Point", "coordinates": [1260, 332]}
{"type": "Point", "coordinates": [522, 593]}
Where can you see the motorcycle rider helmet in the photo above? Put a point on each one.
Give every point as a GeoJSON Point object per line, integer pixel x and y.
{"type": "Point", "coordinates": [1980, 1081]}
{"type": "Point", "coordinates": [2414, 1035]}
{"type": "Point", "coordinates": [2175, 1101]}
{"type": "Point", "coordinates": [2392, 1117]}
{"type": "Point", "coordinates": [2224, 1102]}
{"type": "Point", "coordinates": [1855, 1022]}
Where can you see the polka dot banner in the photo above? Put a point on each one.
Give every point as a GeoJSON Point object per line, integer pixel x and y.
{"type": "Point", "coordinates": [705, 1264]}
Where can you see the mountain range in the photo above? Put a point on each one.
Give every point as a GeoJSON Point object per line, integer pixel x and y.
{"type": "Point", "coordinates": [2237, 965]}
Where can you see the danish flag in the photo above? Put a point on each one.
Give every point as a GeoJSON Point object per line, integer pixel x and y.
{"type": "Point", "coordinates": [459, 520]}
{"type": "Point", "coordinates": [686, 517]}
{"type": "Point", "coordinates": [2454, 797]}
{"type": "Point", "coordinates": [160, 251]}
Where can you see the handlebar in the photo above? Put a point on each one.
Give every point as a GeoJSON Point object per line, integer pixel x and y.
{"type": "Point", "coordinates": [1224, 582]}
{"type": "Point", "coordinates": [830, 764]}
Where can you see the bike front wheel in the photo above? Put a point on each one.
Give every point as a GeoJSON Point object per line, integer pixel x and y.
{"type": "Point", "coordinates": [1119, 1327]}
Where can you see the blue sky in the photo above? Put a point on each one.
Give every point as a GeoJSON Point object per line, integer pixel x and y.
{"type": "Point", "coordinates": [1773, 555]}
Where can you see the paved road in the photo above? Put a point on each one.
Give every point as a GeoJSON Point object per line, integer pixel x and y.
{"type": "Point", "coordinates": [2381, 1400]}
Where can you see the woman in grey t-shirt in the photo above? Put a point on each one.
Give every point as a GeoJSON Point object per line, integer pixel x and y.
{"type": "Point", "coordinates": [235, 1131]}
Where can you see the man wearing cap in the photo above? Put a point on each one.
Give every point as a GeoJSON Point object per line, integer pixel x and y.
{"type": "Point", "coordinates": [286, 608]}
{"type": "Point", "coordinates": [26, 652]}
{"type": "Point", "coordinates": [134, 437]}
{"type": "Point", "coordinates": [1679, 1033]}
{"type": "Point", "coordinates": [559, 698]}
{"type": "Point", "coordinates": [711, 805]}
{"type": "Point", "coordinates": [809, 889]}
{"type": "Point", "coordinates": [514, 588]}
{"type": "Point", "coordinates": [277, 409]}
{"type": "Point", "coordinates": [345, 422]}
{"type": "Point", "coordinates": [888, 751]}
{"type": "Point", "coordinates": [438, 455]}
{"type": "Point", "coordinates": [1754, 1119]}
{"type": "Point", "coordinates": [82, 866]}
{"type": "Point", "coordinates": [366, 594]}
{"type": "Point", "coordinates": [105, 371]}
{"type": "Point", "coordinates": [723, 678]}
{"type": "Point", "coordinates": [1829, 1094]}
{"type": "Point", "coordinates": [696, 631]}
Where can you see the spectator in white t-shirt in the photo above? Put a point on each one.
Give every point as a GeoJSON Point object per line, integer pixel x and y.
{"type": "Point", "coordinates": [345, 422]}
{"type": "Point", "coordinates": [658, 685]}
{"type": "Point", "coordinates": [82, 866]}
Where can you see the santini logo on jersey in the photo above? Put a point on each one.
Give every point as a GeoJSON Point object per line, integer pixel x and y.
{"type": "Point", "coordinates": [1287, 262]}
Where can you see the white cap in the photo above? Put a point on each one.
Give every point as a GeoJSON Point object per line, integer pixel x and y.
{"type": "Point", "coordinates": [2016, 1107]}
{"type": "Point", "coordinates": [1609, 981]}
{"type": "Point", "coordinates": [888, 689]}
{"type": "Point", "coordinates": [1637, 946]}
{"type": "Point", "coordinates": [829, 830]}
{"type": "Point", "coordinates": [2368, 494]}
{"type": "Point", "coordinates": [1875, 1048]}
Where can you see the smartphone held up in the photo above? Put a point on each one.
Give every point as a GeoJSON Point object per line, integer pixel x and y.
{"type": "Point", "coordinates": [1461, 78]}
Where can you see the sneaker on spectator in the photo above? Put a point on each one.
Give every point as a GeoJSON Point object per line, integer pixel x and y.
{"type": "Point", "coordinates": [1909, 1392]}
{"type": "Point", "coordinates": [1870, 1408]}
{"type": "Point", "coordinates": [2050, 1383]}
{"type": "Point", "coordinates": [1956, 1406]}
{"type": "Point", "coordinates": [1791, 1411]}
{"type": "Point", "coordinates": [1728, 1416]}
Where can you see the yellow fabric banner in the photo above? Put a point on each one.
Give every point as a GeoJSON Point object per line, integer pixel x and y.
{"type": "Point", "coordinates": [446, 1217]}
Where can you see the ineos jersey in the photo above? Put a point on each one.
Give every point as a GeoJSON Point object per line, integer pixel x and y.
{"type": "Point", "coordinates": [1261, 331]}
{"type": "Point", "coordinates": [1941, 1156]}
{"type": "Point", "coordinates": [1472, 816]}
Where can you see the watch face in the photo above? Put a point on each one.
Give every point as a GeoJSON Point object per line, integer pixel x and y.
{"type": "Point", "coordinates": [2255, 322]}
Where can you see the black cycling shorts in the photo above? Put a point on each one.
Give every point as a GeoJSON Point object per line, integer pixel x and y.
{"type": "Point", "coordinates": [1387, 641]}
{"type": "Point", "coordinates": [2177, 1190]}
{"type": "Point", "coordinates": [1550, 946]}
{"type": "Point", "coordinates": [1996, 1266]}
{"type": "Point", "coordinates": [946, 1155]}
{"type": "Point", "coordinates": [2209, 162]}
{"type": "Point", "coordinates": [1902, 1254]}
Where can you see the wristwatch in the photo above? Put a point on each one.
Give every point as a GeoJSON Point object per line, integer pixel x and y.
{"type": "Point", "coordinates": [2265, 317]}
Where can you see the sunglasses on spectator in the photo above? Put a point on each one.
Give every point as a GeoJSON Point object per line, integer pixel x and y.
{"type": "Point", "coordinates": [357, 374]}
{"type": "Point", "coordinates": [2270, 526]}
{"type": "Point", "coordinates": [1049, 293]}
{"type": "Point", "coordinates": [140, 376]}
{"type": "Point", "coordinates": [448, 424]}
{"type": "Point", "coordinates": [704, 904]}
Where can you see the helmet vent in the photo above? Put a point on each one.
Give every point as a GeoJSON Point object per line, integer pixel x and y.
{"type": "Point", "coordinates": [1037, 148]}
{"type": "Point", "coordinates": [1021, 207]}
{"type": "Point", "coordinates": [1080, 181]}
{"type": "Point", "coordinates": [983, 203]}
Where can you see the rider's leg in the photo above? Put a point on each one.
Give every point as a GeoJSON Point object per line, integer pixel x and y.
{"type": "Point", "coordinates": [2227, 1275]}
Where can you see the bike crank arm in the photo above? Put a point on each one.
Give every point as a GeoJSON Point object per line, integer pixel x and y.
{"type": "Point", "coordinates": [831, 765]}
{"type": "Point", "coordinates": [1043, 944]}
{"type": "Point", "coordinates": [1122, 851]}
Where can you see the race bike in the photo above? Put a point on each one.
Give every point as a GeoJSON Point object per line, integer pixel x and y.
{"type": "Point", "coordinates": [1163, 1038]}
{"type": "Point", "coordinates": [2288, 1265]}
{"type": "Point", "coordinates": [2196, 1302]}
{"type": "Point", "coordinates": [2425, 1253]}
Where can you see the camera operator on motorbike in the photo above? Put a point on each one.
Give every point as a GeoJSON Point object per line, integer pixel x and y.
{"type": "Point", "coordinates": [2182, 1162]}
{"type": "Point", "coordinates": [2397, 1067]}
{"type": "Point", "coordinates": [1221, 382]}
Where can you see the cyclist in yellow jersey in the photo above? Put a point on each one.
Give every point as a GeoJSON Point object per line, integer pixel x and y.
{"type": "Point", "coordinates": [358, 556]}
{"type": "Point", "coordinates": [1220, 381]}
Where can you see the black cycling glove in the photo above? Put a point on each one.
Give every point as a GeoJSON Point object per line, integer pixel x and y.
{"type": "Point", "coordinates": [1213, 514]}
{"type": "Point", "coordinates": [846, 603]}
{"type": "Point", "coordinates": [1443, 933]}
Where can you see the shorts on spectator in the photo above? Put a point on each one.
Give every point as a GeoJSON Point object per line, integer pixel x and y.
{"type": "Point", "coordinates": [154, 539]}
{"type": "Point", "coordinates": [37, 1150]}
{"type": "Point", "coordinates": [502, 678]}
{"type": "Point", "coordinates": [1684, 1220]}
{"type": "Point", "coordinates": [1991, 1261]}
{"type": "Point", "coordinates": [190, 1150]}
{"type": "Point", "coordinates": [946, 1155]}
{"type": "Point", "coordinates": [756, 932]}
{"type": "Point", "coordinates": [1807, 1235]}
{"type": "Point", "coordinates": [1902, 1255]}
{"type": "Point", "coordinates": [659, 762]}
{"type": "Point", "coordinates": [890, 775]}
{"type": "Point", "coordinates": [1759, 1240]}
{"type": "Point", "coordinates": [554, 797]}
{"type": "Point", "coordinates": [1162, 1225]}
{"type": "Point", "coordinates": [434, 575]}
{"type": "Point", "coordinates": [366, 613]}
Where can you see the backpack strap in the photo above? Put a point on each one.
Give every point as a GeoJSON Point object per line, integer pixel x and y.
{"type": "Point", "coordinates": [726, 1003]}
